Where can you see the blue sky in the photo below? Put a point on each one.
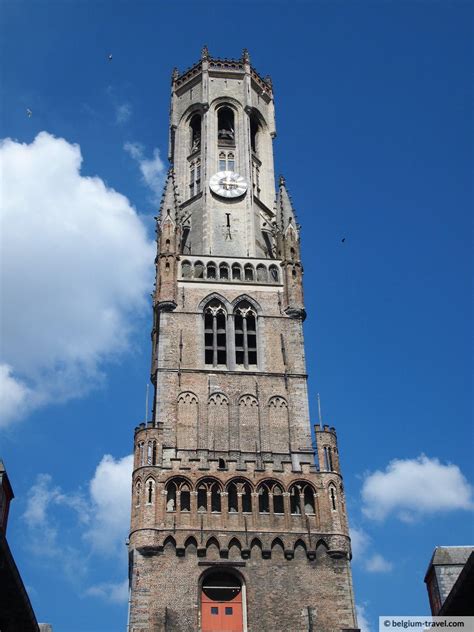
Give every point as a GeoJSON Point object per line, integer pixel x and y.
{"type": "Point", "coordinates": [374, 121]}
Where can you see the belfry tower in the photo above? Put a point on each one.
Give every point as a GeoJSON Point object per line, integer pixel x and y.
{"type": "Point", "coordinates": [238, 521]}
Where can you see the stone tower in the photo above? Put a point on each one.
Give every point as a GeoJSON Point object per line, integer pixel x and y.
{"type": "Point", "coordinates": [238, 521]}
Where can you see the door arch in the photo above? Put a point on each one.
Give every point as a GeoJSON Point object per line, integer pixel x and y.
{"type": "Point", "coordinates": [222, 602]}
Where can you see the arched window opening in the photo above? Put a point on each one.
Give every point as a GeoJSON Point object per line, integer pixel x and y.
{"type": "Point", "coordinates": [141, 456]}
{"type": "Point", "coordinates": [269, 246]}
{"type": "Point", "coordinates": [270, 497]}
{"type": "Point", "coordinates": [186, 270]}
{"type": "Point", "coordinates": [198, 270]}
{"type": "Point", "coordinates": [215, 337]}
{"type": "Point", "coordinates": [326, 459]}
{"type": "Point", "coordinates": [309, 500]}
{"type": "Point", "coordinates": [254, 130]}
{"type": "Point", "coordinates": [178, 495]}
{"type": "Point", "coordinates": [138, 492]}
{"type": "Point", "coordinates": [209, 496]}
{"type": "Point", "coordinates": [185, 497]}
{"type": "Point", "coordinates": [295, 500]}
{"type": "Point", "coordinates": [202, 498]}
{"type": "Point", "coordinates": [248, 272]}
{"type": "Point", "coordinates": [293, 273]}
{"type": "Point", "coordinates": [195, 129]}
{"type": "Point", "coordinates": [278, 506]}
{"type": "Point", "coordinates": [330, 459]}
{"type": "Point", "coordinates": [332, 495]}
{"type": "Point", "coordinates": [262, 276]}
{"type": "Point", "coordinates": [292, 254]}
{"type": "Point", "coordinates": [149, 491]}
{"type": "Point", "coordinates": [239, 497]}
{"type": "Point", "coordinates": [245, 335]}
{"type": "Point", "coordinates": [236, 272]}
{"type": "Point", "coordinates": [224, 272]}
{"type": "Point", "coordinates": [171, 497]}
{"type": "Point", "coordinates": [232, 498]}
{"type": "Point", "coordinates": [302, 495]}
{"type": "Point", "coordinates": [225, 126]}
{"type": "Point", "coordinates": [221, 464]}
{"type": "Point", "coordinates": [194, 177]}
{"type": "Point", "coordinates": [274, 276]}
{"type": "Point", "coordinates": [211, 272]}
{"type": "Point", "coordinates": [263, 499]}
{"type": "Point", "coordinates": [149, 455]}
{"type": "Point", "coordinates": [185, 247]}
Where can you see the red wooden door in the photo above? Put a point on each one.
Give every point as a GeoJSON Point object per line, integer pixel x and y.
{"type": "Point", "coordinates": [221, 616]}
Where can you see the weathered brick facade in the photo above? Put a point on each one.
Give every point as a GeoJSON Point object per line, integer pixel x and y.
{"type": "Point", "coordinates": [225, 476]}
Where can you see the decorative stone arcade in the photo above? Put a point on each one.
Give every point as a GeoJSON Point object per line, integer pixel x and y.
{"type": "Point", "coordinates": [237, 523]}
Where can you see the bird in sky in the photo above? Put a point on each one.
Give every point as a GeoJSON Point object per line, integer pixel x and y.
{"type": "Point", "coordinates": [343, 240]}
{"type": "Point", "coordinates": [110, 57]}
{"type": "Point", "coordinates": [29, 112]}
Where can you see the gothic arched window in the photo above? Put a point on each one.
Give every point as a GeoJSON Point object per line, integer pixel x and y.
{"type": "Point", "coordinates": [150, 490]}
{"type": "Point", "coordinates": [195, 133]}
{"type": "Point", "coordinates": [215, 334]}
{"type": "Point", "coordinates": [302, 497]}
{"type": "Point", "coordinates": [225, 126]}
{"type": "Point", "coordinates": [249, 272]}
{"type": "Point", "coordinates": [236, 272]}
{"type": "Point", "coordinates": [198, 270]}
{"type": "Point", "coordinates": [194, 177]}
{"type": "Point", "coordinates": [270, 498]}
{"type": "Point", "coordinates": [209, 496]}
{"type": "Point", "coordinates": [211, 272]}
{"type": "Point", "coordinates": [224, 272]}
{"type": "Point", "coordinates": [262, 275]}
{"type": "Point", "coordinates": [178, 495]}
{"type": "Point", "coordinates": [239, 497]}
{"type": "Point", "coordinates": [186, 270]}
{"type": "Point", "coordinates": [245, 320]}
{"type": "Point", "coordinates": [274, 276]}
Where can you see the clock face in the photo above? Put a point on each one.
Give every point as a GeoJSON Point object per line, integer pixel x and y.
{"type": "Point", "coordinates": [228, 184]}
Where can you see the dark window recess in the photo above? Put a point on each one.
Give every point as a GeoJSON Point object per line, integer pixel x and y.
{"type": "Point", "coordinates": [184, 239]}
{"type": "Point", "coordinates": [278, 501]}
{"type": "Point", "coordinates": [215, 334]}
{"type": "Point", "coordinates": [245, 336]}
{"type": "Point", "coordinates": [228, 610]}
{"type": "Point", "coordinates": [195, 127]}
{"type": "Point", "coordinates": [268, 245]}
{"type": "Point", "coordinates": [214, 610]}
{"type": "Point", "coordinates": [225, 126]}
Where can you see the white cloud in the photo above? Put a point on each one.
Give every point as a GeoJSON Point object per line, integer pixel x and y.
{"type": "Point", "coordinates": [360, 541]}
{"type": "Point", "coordinates": [362, 620]}
{"type": "Point", "coordinates": [110, 496]}
{"type": "Point", "coordinates": [96, 524]}
{"type": "Point", "coordinates": [15, 396]}
{"type": "Point", "coordinates": [123, 111]}
{"type": "Point", "coordinates": [46, 537]}
{"type": "Point", "coordinates": [152, 170]}
{"type": "Point", "coordinates": [378, 564]}
{"type": "Point", "coordinates": [110, 591]}
{"type": "Point", "coordinates": [76, 264]}
{"type": "Point", "coordinates": [411, 488]}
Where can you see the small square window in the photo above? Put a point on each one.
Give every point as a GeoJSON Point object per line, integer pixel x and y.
{"type": "Point", "coordinates": [214, 610]}
{"type": "Point", "coordinates": [228, 610]}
